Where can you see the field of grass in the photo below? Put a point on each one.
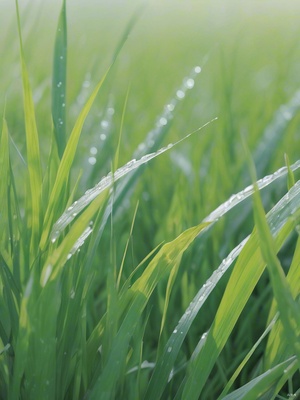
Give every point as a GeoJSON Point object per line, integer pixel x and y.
{"type": "Point", "coordinates": [149, 200]}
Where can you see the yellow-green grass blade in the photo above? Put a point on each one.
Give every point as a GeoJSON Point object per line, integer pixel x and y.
{"type": "Point", "coordinates": [59, 82]}
{"type": "Point", "coordinates": [133, 303]}
{"type": "Point", "coordinates": [277, 348]}
{"type": "Point", "coordinates": [58, 257]}
{"type": "Point", "coordinates": [243, 279]}
{"type": "Point", "coordinates": [63, 173]}
{"type": "Point", "coordinates": [263, 384]}
{"type": "Point", "coordinates": [32, 150]}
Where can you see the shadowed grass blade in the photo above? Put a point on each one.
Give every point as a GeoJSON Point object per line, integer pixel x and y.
{"type": "Point", "coordinates": [59, 82]}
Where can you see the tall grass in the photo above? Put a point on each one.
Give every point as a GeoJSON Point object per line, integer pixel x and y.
{"type": "Point", "coordinates": [160, 279]}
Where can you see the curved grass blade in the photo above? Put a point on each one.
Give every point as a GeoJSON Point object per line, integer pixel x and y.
{"type": "Point", "coordinates": [59, 82]}
{"type": "Point", "coordinates": [244, 277]}
{"type": "Point", "coordinates": [33, 151]}
{"type": "Point", "coordinates": [258, 387]}
{"type": "Point", "coordinates": [106, 182]}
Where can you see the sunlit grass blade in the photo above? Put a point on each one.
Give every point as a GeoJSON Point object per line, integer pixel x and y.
{"type": "Point", "coordinates": [59, 82]}
{"type": "Point", "coordinates": [32, 151]}
{"type": "Point", "coordinates": [259, 386]}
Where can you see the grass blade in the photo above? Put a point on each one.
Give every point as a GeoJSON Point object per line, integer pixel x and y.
{"type": "Point", "coordinates": [62, 178]}
{"type": "Point", "coordinates": [259, 386]}
{"type": "Point", "coordinates": [33, 151]}
{"type": "Point", "coordinates": [59, 82]}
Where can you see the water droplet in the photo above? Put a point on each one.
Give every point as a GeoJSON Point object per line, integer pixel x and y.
{"type": "Point", "coordinates": [102, 136]}
{"type": "Point", "coordinates": [93, 150]}
{"type": "Point", "coordinates": [180, 94]}
{"type": "Point", "coordinates": [86, 84]}
{"type": "Point", "coordinates": [163, 121]}
{"type": "Point", "coordinates": [169, 349]}
{"type": "Point", "coordinates": [63, 105]}
{"type": "Point", "coordinates": [104, 124]}
{"type": "Point", "coordinates": [175, 331]}
{"type": "Point", "coordinates": [59, 84]}
{"type": "Point", "coordinates": [92, 160]}
{"type": "Point", "coordinates": [189, 83]}
{"type": "Point", "coordinates": [197, 69]}
{"type": "Point", "coordinates": [72, 294]}
{"type": "Point", "coordinates": [61, 57]}
{"type": "Point", "coordinates": [170, 107]}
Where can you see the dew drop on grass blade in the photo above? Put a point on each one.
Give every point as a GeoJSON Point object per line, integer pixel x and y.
{"type": "Point", "coordinates": [105, 183]}
{"type": "Point", "coordinates": [59, 82]}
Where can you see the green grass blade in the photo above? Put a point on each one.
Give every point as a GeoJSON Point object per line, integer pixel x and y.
{"type": "Point", "coordinates": [137, 298]}
{"type": "Point", "coordinates": [277, 347]}
{"type": "Point", "coordinates": [32, 149]}
{"type": "Point", "coordinates": [59, 82]}
{"type": "Point", "coordinates": [244, 277]}
{"type": "Point", "coordinates": [259, 386]}
{"type": "Point", "coordinates": [65, 165]}
{"type": "Point", "coordinates": [70, 214]}
{"type": "Point", "coordinates": [274, 132]}
{"type": "Point", "coordinates": [246, 359]}
{"type": "Point", "coordinates": [4, 181]}
{"type": "Point", "coordinates": [58, 257]}
{"type": "Point", "coordinates": [287, 306]}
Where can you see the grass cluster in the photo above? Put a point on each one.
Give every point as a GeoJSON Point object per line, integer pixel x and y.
{"type": "Point", "coordinates": [147, 249]}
